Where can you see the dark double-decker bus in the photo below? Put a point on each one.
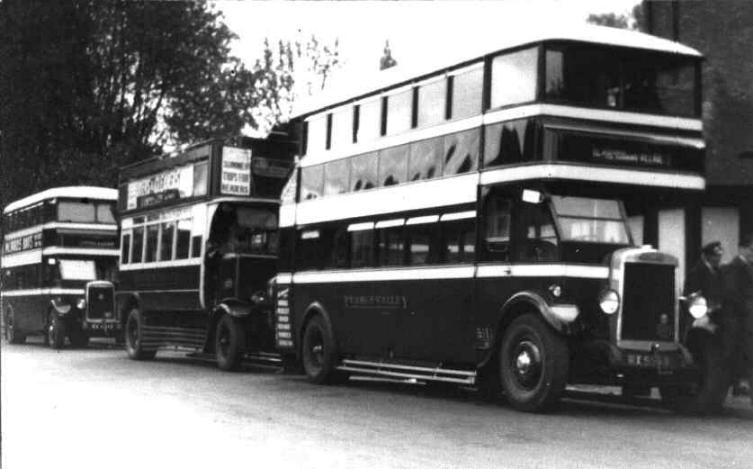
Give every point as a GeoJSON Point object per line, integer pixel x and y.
{"type": "Point", "coordinates": [198, 247]}
{"type": "Point", "coordinates": [59, 256]}
{"type": "Point", "coordinates": [486, 221]}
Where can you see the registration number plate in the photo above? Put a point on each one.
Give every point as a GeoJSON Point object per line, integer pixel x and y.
{"type": "Point", "coordinates": [646, 360]}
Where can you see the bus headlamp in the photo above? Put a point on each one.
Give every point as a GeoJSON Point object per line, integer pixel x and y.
{"type": "Point", "coordinates": [81, 303]}
{"type": "Point", "coordinates": [698, 307]}
{"type": "Point", "coordinates": [609, 301]}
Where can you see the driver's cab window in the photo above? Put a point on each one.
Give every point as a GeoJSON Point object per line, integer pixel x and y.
{"type": "Point", "coordinates": [497, 223]}
{"type": "Point", "coordinates": [538, 238]}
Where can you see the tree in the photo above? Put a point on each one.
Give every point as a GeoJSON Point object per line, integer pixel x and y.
{"type": "Point", "coordinates": [87, 86]}
{"type": "Point", "coordinates": [614, 20]}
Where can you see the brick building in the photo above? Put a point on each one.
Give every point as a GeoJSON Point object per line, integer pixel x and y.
{"type": "Point", "coordinates": [723, 32]}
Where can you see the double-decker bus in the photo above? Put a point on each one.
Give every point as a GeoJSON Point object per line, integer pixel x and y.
{"type": "Point", "coordinates": [198, 247]}
{"type": "Point", "coordinates": [485, 220]}
{"type": "Point", "coordinates": [58, 260]}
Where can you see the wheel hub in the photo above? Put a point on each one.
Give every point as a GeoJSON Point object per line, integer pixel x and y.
{"type": "Point", "coordinates": [526, 359]}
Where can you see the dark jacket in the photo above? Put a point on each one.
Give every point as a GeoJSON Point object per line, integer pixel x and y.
{"type": "Point", "coordinates": [737, 277]}
{"type": "Point", "coordinates": [702, 278]}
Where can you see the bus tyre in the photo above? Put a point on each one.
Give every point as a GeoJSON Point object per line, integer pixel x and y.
{"type": "Point", "coordinates": [12, 335]}
{"type": "Point", "coordinates": [78, 337]}
{"type": "Point", "coordinates": [319, 354]}
{"type": "Point", "coordinates": [134, 337]}
{"type": "Point", "coordinates": [533, 363]}
{"type": "Point", "coordinates": [229, 343]}
{"type": "Point", "coordinates": [56, 332]}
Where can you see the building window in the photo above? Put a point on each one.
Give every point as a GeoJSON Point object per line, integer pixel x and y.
{"type": "Point", "coordinates": [514, 78]}
{"type": "Point", "coordinates": [426, 159]}
{"type": "Point", "coordinates": [467, 90]}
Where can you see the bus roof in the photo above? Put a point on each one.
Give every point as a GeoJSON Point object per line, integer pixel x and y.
{"type": "Point", "coordinates": [75, 192]}
{"type": "Point", "coordinates": [476, 47]}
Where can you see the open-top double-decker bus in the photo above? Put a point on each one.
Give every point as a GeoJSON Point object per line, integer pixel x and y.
{"type": "Point", "coordinates": [486, 220]}
{"type": "Point", "coordinates": [198, 247]}
{"type": "Point", "coordinates": [58, 260]}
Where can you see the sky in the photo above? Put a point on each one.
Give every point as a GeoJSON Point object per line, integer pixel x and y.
{"type": "Point", "coordinates": [416, 30]}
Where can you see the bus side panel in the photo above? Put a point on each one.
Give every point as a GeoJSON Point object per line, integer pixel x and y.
{"type": "Point", "coordinates": [29, 311]}
{"type": "Point", "coordinates": [365, 317]}
{"type": "Point", "coordinates": [164, 289]}
{"type": "Point", "coordinates": [436, 322]}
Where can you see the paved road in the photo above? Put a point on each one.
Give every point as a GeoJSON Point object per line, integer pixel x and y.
{"type": "Point", "coordinates": [97, 409]}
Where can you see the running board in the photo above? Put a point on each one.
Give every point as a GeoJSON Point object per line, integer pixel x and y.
{"type": "Point", "coordinates": [258, 358]}
{"type": "Point", "coordinates": [393, 370]}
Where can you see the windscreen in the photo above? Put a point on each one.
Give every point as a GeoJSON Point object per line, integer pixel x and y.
{"type": "Point", "coordinates": [257, 230]}
{"type": "Point", "coordinates": [590, 220]}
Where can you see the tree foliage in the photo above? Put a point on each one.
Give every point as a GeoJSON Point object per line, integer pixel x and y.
{"type": "Point", "coordinates": [87, 86]}
{"type": "Point", "coordinates": [618, 20]}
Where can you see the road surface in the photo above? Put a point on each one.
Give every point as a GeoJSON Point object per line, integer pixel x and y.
{"type": "Point", "coordinates": [95, 408]}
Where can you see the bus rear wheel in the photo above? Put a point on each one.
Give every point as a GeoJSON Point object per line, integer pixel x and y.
{"type": "Point", "coordinates": [134, 337]}
{"type": "Point", "coordinates": [229, 343]}
{"type": "Point", "coordinates": [319, 354]}
{"type": "Point", "coordinates": [56, 332]}
{"type": "Point", "coordinates": [12, 335]}
{"type": "Point", "coordinates": [533, 364]}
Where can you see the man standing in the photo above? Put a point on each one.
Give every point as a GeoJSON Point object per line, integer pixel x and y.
{"type": "Point", "coordinates": [704, 338]}
{"type": "Point", "coordinates": [737, 278]}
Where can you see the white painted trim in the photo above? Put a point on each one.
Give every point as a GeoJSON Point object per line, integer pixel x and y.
{"type": "Point", "coordinates": [422, 220]}
{"type": "Point", "coordinates": [284, 278]}
{"type": "Point", "coordinates": [287, 215]}
{"type": "Point", "coordinates": [603, 115]}
{"type": "Point", "coordinates": [54, 251]}
{"type": "Point", "coordinates": [458, 215]}
{"type": "Point", "coordinates": [33, 256]}
{"type": "Point", "coordinates": [369, 225]}
{"type": "Point", "coordinates": [88, 192]}
{"type": "Point", "coordinates": [594, 174]}
{"type": "Point", "coordinates": [383, 275]}
{"type": "Point", "coordinates": [446, 272]}
{"type": "Point", "coordinates": [89, 227]}
{"type": "Point", "coordinates": [542, 270]}
{"type": "Point", "coordinates": [410, 136]}
{"type": "Point", "coordinates": [43, 291]}
{"type": "Point", "coordinates": [389, 223]}
{"type": "Point", "coordinates": [161, 264]}
{"type": "Point", "coordinates": [434, 193]}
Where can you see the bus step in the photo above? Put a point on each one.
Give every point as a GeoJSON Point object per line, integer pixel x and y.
{"type": "Point", "coordinates": [394, 370]}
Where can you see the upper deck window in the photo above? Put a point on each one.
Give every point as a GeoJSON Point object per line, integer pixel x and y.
{"type": "Point", "coordinates": [342, 127]}
{"type": "Point", "coordinates": [432, 105]}
{"type": "Point", "coordinates": [622, 79]}
{"type": "Point", "coordinates": [467, 89]}
{"type": "Point", "coordinates": [369, 120]}
{"type": "Point", "coordinates": [85, 212]}
{"type": "Point", "coordinates": [514, 78]}
{"type": "Point", "coordinates": [317, 133]}
{"type": "Point", "coordinates": [399, 112]}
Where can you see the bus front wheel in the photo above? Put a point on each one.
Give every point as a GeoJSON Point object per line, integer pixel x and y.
{"type": "Point", "coordinates": [56, 332]}
{"type": "Point", "coordinates": [533, 364]}
{"type": "Point", "coordinates": [134, 336]}
{"type": "Point", "coordinates": [319, 354]}
{"type": "Point", "coordinates": [229, 343]}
